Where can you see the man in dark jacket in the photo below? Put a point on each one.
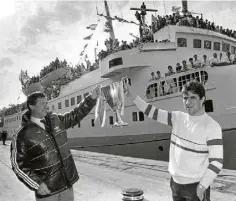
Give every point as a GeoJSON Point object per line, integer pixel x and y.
{"type": "Point", "coordinates": [40, 154]}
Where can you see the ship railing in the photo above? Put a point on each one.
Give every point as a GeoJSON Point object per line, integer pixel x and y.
{"type": "Point", "coordinates": [174, 83]}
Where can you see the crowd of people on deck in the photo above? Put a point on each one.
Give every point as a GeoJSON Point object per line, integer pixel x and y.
{"type": "Point", "coordinates": [34, 79]}
{"type": "Point", "coordinates": [54, 65]}
{"type": "Point", "coordinates": [112, 47]}
{"type": "Point", "coordinates": [161, 21]}
{"type": "Point", "coordinates": [191, 21]}
{"type": "Point", "coordinates": [195, 62]}
{"type": "Point", "coordinates": [15, 109]}
{"type": "Point", "coordinates": [52, 90]}
{"type": "Point", "coordinates": [170, 85]}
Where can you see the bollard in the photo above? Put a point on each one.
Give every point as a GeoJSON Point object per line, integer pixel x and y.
{"type": "Point", "coordinates": [132, 194]}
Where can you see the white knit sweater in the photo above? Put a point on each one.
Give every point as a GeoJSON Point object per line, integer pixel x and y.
{"type": "Point", "coordinates": [196, 149]}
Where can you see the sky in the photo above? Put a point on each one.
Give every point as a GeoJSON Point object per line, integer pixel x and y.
{"type": "Point", "coordinates": [34, 33]}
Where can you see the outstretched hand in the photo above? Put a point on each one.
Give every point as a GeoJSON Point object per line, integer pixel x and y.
{"type": "Point", "coordinates": [96, 92]}
{"type": "Point", "coordinates": [200, 192]}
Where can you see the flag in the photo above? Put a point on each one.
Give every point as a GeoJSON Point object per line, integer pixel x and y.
{"type": "Point", "coordinates": [85, 45]}
{"type": "Point", "coordinates": [81, 54]}
{"type": "Point", "coordinates": [175, 9]}
{"type": "Point", "coordinates": [119, 19]}
{"type": "Point", "coordinates": [20, 75]}
{"type": "Point", "coordinates": [92, 26]}
{"type": "Point", "coordinates": [88, 37]}
{"type": "Point", "coordinates": [24, 78]}
{"type": "Point", "coordinates": [108, 18]}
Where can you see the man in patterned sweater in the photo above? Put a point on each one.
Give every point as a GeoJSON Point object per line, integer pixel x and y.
{"type": "Point", "coordinates": [196, 148]}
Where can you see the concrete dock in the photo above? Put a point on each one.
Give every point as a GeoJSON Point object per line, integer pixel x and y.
{"type": "Point", "coordinates": [103, 177]}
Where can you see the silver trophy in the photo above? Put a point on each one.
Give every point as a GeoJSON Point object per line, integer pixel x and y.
{"type": "Point", "coordinates": [113, 94]}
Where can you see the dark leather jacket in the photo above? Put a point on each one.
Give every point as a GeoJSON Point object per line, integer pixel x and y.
{"type": "Point", "coordinates": [39, 155]}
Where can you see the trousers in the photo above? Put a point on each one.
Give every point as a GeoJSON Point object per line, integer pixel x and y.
{"type": "Point", "coordinates": [187, 192]}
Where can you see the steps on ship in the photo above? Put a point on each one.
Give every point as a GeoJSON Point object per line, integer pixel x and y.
{"type": "Point", "coordinates": [103, 177]}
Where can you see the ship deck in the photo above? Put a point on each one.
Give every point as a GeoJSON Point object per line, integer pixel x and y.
{"type": "Point", "coordinates": [103, 177]}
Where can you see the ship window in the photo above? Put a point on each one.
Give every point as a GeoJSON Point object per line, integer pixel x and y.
{"type": "Point", "coordinates": [155, 90]}
{"type": "Point", "coordinates": [59, 105]}
{"type": "Point", "coordinates": [92, 122]}
{"type": "Point", "coordinates": [53, 108]}
{"type": "Point", "coordinates": [232, 49]}
{"type": "Point", "coordinates": [216, 46]}
{"type": "Point", "coordinates": [201, 77]}
{"type": "Point", "coordinates": [207, 44]}
{"type": "Point", "coordinates": [16, 117]}
{"type": "Point", "coordinates": [111, 120]}
{"type": "Point", "coordinates": [208, 106]}
{"type": "Point", "coordinates": [129, 81]}
{"type": "Point", "coordinates": [67, 103]}
{"type": "Point", "coordinates": [78, 99]}
{"type": "Point", "coordinates": [135, 116]}
{"type": "Point", "coordinates": [87, 93]}
{"type": "Point", "coordinates": [182, 42]}
{"type": "Point", "coordinates": [225, 47]}
{"type": "Point", "coordinates": [115, 62]}
{"type": "Point", "coordinates": [197, 43]}
{"type": "Point", "coordinates": [141, 116]}
{"type": "Point", "coordinates": [72, 101]}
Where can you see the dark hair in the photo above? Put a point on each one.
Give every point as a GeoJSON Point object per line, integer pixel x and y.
{"type": "Point", "coordinates": [194, 87]}
{"type": "Point", "coordinates": [32, 99]}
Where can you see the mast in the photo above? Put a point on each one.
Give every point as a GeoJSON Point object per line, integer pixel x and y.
{"type": "Point", "coordinates": [111, 32]}
{"type": "Point", "coordinates": [184, 6]}
{"type": "Point", "coordinates": [141, 17]}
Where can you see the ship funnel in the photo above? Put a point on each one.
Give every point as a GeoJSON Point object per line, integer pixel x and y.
{"type": "Point", "coordinates": [184, 6]}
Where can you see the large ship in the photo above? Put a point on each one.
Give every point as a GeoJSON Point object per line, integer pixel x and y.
{"type": "Point", "coordinates": [143, 137]}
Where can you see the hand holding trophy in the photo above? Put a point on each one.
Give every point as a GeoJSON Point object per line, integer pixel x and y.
{"type": "Point", "coordinates": [113, 95]}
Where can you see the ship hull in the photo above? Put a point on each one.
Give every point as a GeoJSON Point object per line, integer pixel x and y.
{"type": "Point", "coordinates": [148, 146]}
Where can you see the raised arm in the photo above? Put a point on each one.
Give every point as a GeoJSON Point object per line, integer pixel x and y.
{"type": "Point", "coordinates": [159, 115]}
{"type": "Point", "coordinates": [70, 119]}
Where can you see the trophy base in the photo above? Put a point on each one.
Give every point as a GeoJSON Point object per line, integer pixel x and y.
{"type": "Point", "coordinates": [117, 125]}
